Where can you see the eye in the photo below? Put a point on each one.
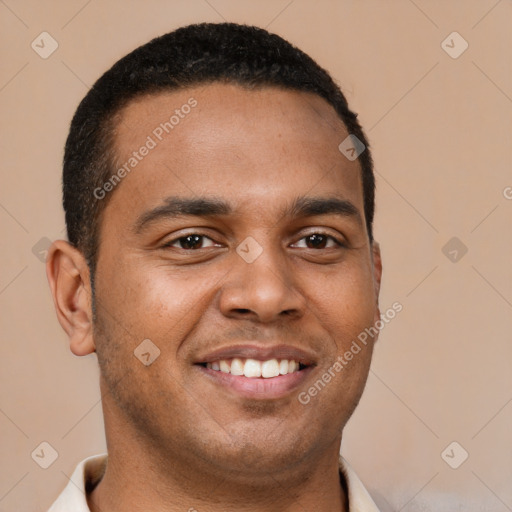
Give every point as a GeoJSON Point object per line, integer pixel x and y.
{"type": "Point", "coordinates": [191, 242]}
{"type": "Point", "coordinates": [317, 241]}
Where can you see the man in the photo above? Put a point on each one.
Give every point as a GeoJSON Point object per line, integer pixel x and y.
{"type": "Point", "coordinates": [219, 198]}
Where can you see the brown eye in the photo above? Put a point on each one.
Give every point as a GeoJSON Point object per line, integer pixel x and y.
{"type": "Point", "coordinates": [318, 241]}
{"type": "Point", "coordinates": [191, 242]}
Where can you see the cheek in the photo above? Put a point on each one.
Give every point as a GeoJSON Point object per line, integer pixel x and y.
{"type": "Point", "coordinates": [351, 320]}
{"type": "Point", "coordinates": [156, 301]}
{"type": "Point", "coordinates": [344, 302]}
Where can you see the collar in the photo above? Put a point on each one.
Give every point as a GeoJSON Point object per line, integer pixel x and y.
{"type": "Point", "coordinates": [359, 500]}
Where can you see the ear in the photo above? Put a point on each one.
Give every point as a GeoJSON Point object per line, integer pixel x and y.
{"type": "Point", "coordinates": [69, 279]}
{"type": "Point", "coordinates": [377, 274]}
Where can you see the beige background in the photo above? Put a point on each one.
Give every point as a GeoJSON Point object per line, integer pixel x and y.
{"type": "Point", "coordinates": [440, 129]}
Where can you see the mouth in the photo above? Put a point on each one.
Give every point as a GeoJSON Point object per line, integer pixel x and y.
{"type": "Point", "coordinates": [254, 369]}
{"type": "Point", "coordinates": [257, 373]}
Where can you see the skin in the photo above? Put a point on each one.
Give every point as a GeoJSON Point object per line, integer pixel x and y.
{"type": "Point", "coordinates": [176, 439]}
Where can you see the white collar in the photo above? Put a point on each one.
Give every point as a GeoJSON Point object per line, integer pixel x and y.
{"type": "Point", "coordinates": [359, 500]}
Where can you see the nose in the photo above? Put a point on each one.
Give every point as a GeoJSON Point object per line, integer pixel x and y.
{"type": "Point", "coordinates": [264, 290]}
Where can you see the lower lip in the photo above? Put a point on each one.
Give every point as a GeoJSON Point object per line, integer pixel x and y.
{"type": "Point", "coordinates": [259, 388]}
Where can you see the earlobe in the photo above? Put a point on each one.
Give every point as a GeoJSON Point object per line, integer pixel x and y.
{"type": "Point", "coordinates": [69, 279]}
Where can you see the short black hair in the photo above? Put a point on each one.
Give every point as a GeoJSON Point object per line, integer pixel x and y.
{"type": "Point", "coordinates": [196, 54]}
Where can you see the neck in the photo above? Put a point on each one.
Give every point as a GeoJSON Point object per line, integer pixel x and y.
{"type": "Point", "coordinates": [137, 482]}
{"type": "Point", "coordinates": [142, 475]}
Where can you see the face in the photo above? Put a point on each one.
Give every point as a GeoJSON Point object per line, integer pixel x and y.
{"type": "Point", "coordinates": [237, 245]}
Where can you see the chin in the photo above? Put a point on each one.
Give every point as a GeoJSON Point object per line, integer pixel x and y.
{"type": "Point", "coordinates": [253, 453]}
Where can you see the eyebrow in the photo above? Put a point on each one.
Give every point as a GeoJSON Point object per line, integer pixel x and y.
{"type": "Point", "coordinates": [175, 207]}
{"type": "Point", "coordinates": [311, 206]}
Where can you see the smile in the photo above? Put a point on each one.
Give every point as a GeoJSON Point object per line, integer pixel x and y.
{"type": "Point", "coordinates": [257, 372]}
{"type": "Point", "coordinates": [253, 368]}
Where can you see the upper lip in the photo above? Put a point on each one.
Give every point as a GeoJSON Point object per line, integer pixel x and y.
{"type": "Point", "coordinates": [262, 353]}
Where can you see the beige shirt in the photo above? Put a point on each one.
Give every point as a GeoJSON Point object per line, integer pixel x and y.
{"type": "Point", "coordinates": [90, 471]}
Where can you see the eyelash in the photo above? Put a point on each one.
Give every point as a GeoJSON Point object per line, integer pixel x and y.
{"type": "Point", "coordinates": [170, 243]}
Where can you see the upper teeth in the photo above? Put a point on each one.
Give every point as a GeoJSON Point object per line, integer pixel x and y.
{"type": "Point", "coordinates": [253, 368]}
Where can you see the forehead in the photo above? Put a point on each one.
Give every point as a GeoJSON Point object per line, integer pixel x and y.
{"type": "Point", "coordinates": [256, 145]}
{"type": "Point", "coordinates": [221, 109]}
